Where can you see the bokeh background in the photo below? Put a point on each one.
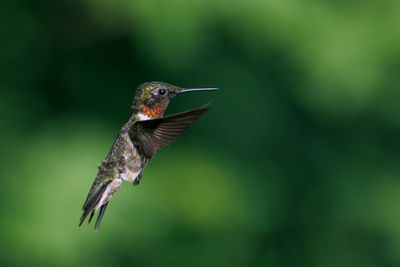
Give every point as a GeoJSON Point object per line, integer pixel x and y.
{"type": "Point", "coordinates": [296, 164]}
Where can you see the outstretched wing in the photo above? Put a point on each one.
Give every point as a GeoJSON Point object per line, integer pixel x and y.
{"type": "Point", "coordinates": [150, 136]}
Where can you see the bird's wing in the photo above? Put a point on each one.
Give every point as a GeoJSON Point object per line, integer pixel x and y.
{"type": "Point", "coordinates": [152, 135]}
{"type": "Point", "coordinates": [103, 187]}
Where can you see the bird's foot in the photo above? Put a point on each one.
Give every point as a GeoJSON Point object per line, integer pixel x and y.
{"type": "Point", "coordinates": [137, 180]}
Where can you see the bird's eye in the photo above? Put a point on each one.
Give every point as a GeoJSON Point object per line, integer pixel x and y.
{"type": "Point", "coordinates": [161, 91]}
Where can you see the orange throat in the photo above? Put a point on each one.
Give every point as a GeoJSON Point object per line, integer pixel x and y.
{"type": "Point", "coordinates": [154, 112]}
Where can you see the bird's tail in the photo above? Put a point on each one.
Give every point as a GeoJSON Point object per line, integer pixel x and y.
{"type": "Point", "coordinates": [97, 198]}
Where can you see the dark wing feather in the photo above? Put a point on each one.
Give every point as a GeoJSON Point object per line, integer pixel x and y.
{"type": "Point", "coordinates": [152, 135]}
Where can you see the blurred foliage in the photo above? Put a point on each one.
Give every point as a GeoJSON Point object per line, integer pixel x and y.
{"type": "Point", "coordinates": [295, 165]}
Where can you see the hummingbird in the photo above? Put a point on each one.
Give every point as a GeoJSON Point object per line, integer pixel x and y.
{"type": "Point", "coordinates": [146, 132]}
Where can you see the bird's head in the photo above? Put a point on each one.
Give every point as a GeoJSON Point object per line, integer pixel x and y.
{"type": "Point", "coordinates": [152, 98]}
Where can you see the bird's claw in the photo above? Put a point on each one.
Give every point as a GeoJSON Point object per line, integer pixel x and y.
{"type": "Point", "coordinates": [137, 180]}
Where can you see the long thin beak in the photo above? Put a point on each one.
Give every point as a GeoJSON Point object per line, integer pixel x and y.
{"type": "Point", "coordinates": [185, 90]}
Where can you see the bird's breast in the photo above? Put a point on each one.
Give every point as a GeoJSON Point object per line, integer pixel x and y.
{"type": "Point", "coordinates": [129, 176]}
{"type": "Point", "coordinates": [132, 162]}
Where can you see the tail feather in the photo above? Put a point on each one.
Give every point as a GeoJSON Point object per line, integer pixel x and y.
{"type": "Point", "coordinates": [91, 216]}
{"type": "Point", "coordinates": [98, 197]}
{"type": "Point", "coordinates": [92, 200]}
{"type": "Point", "coordinates": [101, 213]}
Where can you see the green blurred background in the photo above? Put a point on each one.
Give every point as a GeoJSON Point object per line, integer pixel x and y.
{"type": "Point", "coordinates": [296, 164]}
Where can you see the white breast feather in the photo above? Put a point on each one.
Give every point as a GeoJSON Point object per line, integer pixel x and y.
{"type": "Point", "coordinates": [129, 176]}
{"type": "Point", "coordinates": [143, 117]}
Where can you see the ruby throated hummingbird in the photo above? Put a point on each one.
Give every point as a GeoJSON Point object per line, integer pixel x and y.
{"type": "Point", "coordinates": [146, 132]}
